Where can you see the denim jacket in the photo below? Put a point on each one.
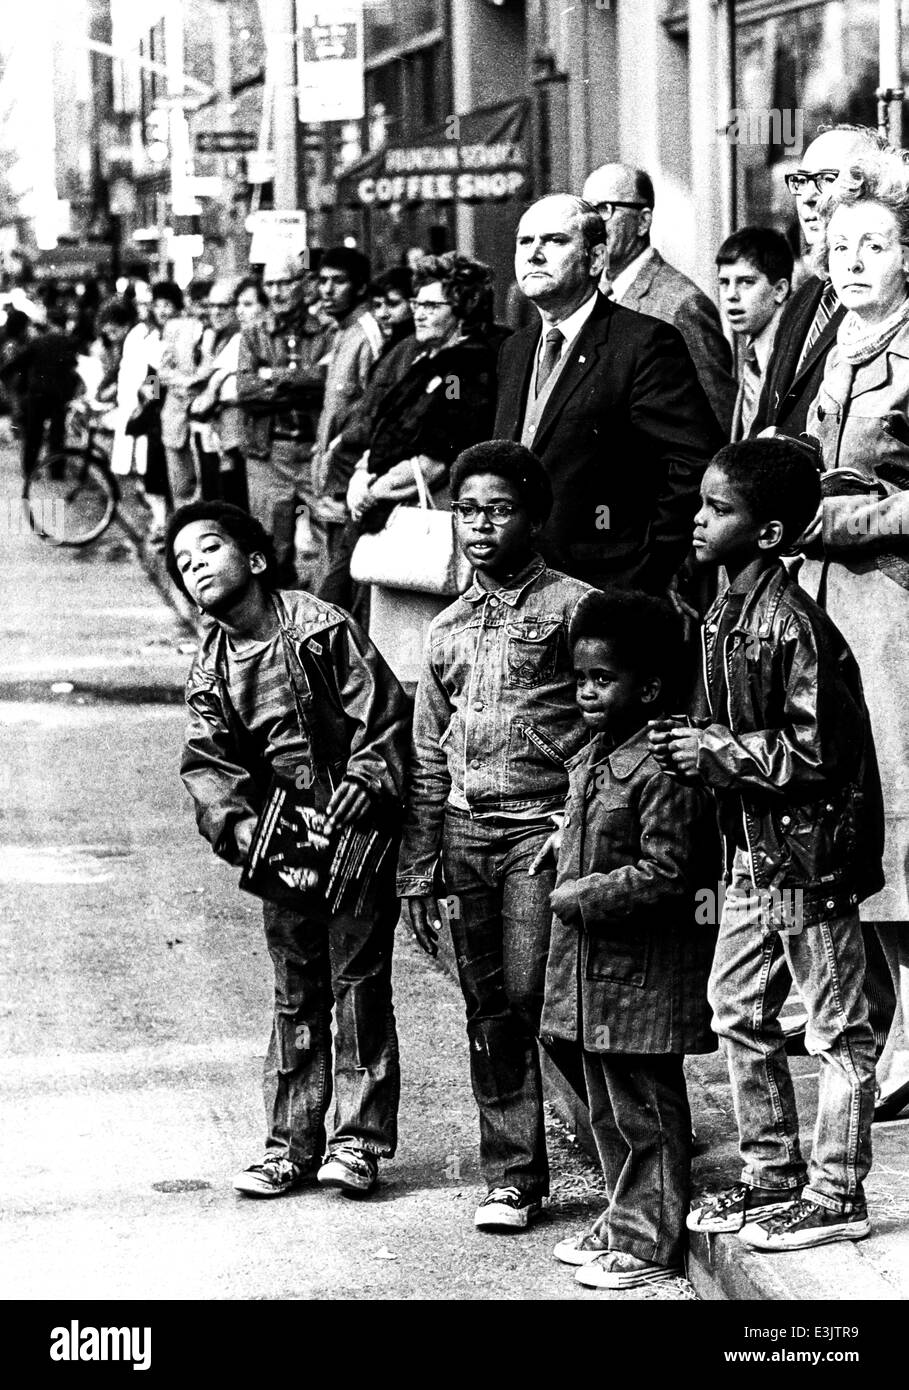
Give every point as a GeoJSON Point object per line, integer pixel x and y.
{"type": "Point", "coordinates": [351, 709]}
{"type": "Point", "coordinates": [495, 717]}
{"type": "Point", "coordinates": [797, 767]}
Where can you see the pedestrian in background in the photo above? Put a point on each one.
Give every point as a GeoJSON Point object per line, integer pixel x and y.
{"type": "Point", "coordinates": [181, 333]}
{"type": "Point", "coordinates": [754, 277]}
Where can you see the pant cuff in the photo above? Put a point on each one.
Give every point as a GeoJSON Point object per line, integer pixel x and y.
{"type": "Point", "coordinates": [773, 1182]}
{"type": "Point", "coordinates": [843, 1206]}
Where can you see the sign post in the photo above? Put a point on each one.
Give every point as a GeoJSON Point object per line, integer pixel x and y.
{"type": "Point", "coordinates": [330, 61]}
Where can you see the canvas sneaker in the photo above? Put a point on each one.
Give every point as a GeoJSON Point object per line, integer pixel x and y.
{"type": "Point", "coordinates": [274, 1176]}
{"type": "Point", "coordinates": [505, 1208]}
{"type": "Point", "coordinates": [619, 1270]}
{"type": "Point", "coordinates": [737, 1206]}
{"type": "Point", "coordinates": [804, 1224]}
{"type": "Point", "coordinates": [580, 1250]}
{"type": "Point", "coordinates": [350, 1169]}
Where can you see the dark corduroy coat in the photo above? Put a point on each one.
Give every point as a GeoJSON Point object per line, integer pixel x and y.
{"type": "Point", "coordinates": [631, 974]}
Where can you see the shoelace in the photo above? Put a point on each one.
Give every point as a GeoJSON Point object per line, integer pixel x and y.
{"type": "Point", "coordinates": [787, 1219]}
{"type": "Point", "coordinates": [499, 1194]}
{"type": "Point", "coordinates": [728, 1199]}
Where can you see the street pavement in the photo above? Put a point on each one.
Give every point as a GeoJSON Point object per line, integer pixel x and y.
{"type": "Point", "coordinates": [135, 1007]}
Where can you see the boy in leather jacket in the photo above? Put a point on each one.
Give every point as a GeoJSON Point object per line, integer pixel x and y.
{"type": "Point", "coordinates": [788, 753]}
{"type": "Point", "coordinates": [284, 683]}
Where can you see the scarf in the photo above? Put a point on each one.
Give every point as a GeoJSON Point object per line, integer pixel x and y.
{"type": "Point", "coordinates": [858, 343]}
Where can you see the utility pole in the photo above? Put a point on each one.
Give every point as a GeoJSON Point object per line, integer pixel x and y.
{"type": "Point", "coordinates": [890, 91]}
{"type": "Point", "coordinates": [279, 23]}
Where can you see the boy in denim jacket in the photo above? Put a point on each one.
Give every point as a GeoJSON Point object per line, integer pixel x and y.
{"type": "Point", "coordinates": [626, 981]}
{"type": "Point", "coordinates": [494, 723]}
{"type": "Point", "coordinates": [789, 756]}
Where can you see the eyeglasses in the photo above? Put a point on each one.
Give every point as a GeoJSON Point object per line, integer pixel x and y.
{"type": "Point", "coordinates": [496, 512]}
{"type": "Point", "coordinates": [432, 305]}
{"type": "Point", "coordinates": [270, 284]}
{"type": "Point", "coordinates": [823, 178]}
{"type": "Point", "coordinates": [228, 304]}
{"type": "Point", "coordinates": [606, 210]}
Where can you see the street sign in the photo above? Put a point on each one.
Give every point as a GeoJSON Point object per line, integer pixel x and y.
{"type": "Point", "coordinates": [330, 61]}
{"type": "Point", "coordinates": [275, 233]}
{"type": "Point", "coordinates": [225, 141]}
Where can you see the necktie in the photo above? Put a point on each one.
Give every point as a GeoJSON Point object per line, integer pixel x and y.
{"type": "Point", "coordinates": [750, 389]}
{"type": "Point", "coordinates": [822, 315]}
{"type": "Point", "coordinates": [551, 354]}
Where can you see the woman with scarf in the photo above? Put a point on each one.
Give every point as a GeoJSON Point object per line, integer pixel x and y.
{"type": "Point", "coordinates": [857, 549]}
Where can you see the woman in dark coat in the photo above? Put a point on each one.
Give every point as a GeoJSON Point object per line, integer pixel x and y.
{"type": "Point", "coordinates": [443, 402]}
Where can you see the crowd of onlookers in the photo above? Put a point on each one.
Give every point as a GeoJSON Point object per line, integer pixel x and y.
{"type": "Point", "coordinates": [614, 445]}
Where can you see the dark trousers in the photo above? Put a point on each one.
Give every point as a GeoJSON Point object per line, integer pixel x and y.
{"type": "Point", "coordinates": [500, 919]}
{"type": "Point", "coordinates": [341, 963]}
{"type": "Point", "coordinates": [642, 1127]}
{"type": "Point", "coordinates": [39, 412]}
{"type": "Point", "coordinates": [331, 579]}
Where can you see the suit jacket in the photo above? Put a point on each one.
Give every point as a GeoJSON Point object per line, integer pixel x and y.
{"type": "Point", "coordinates": [665, 293]}
{"type": "Point", "coordinates": [625, 437]}
{"type": "Point", "coordinates": [786, 396]}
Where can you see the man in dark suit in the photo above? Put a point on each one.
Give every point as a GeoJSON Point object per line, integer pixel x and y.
{"type": "Point", "coordinates": [809, 322]}
{"type": "Point", "coordinates": [609, 400]}
{"type": "Point", "coordinates": [639, 278]}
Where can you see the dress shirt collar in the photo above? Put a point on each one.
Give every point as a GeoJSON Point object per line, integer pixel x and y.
{"type": "Point", "coordinates": [626, 278]}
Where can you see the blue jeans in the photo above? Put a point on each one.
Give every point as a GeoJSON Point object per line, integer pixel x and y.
{"type": "Point", "coordinates": [343, 961]}
{"type": "Point", "coordinates": [500, 920]}
{"type": "Point", "coordinates": [748, 987]}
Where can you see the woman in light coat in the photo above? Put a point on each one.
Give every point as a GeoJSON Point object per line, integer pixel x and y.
{"type": "Point", "coordinates": [857, 549]}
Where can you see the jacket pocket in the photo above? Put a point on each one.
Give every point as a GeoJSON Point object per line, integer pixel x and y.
{"type": "Point", "coordinates": [542, 742]}
{"type": "Point", "coordinates": [622, 955]}
{"type": "Point", "coordinates": [531, 652]}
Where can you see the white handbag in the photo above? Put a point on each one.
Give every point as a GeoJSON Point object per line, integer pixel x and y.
{"type": "Point", "coordinates": [416, 549]}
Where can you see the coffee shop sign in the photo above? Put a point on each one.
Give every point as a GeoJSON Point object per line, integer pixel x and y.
{"type": "Point", "coordinates": [453, 173]}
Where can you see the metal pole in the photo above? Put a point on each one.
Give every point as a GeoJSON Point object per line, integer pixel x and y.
{"type": "Point", "coordinates": [280, 39]}
{"type": "Point", "coordinates": [890, 91]}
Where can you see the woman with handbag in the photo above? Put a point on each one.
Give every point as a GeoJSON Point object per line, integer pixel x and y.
{"type": "Point", "coordinates": [857, 548]}
{"type": "Point", "coordinates": [443, 403]}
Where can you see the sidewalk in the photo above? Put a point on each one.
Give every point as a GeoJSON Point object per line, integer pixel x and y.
{"type": "Point", "coordinates": [721, 1267]}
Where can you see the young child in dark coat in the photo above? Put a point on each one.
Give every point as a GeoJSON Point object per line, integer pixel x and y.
{"type": "Point", "coordinates": [627, 971]}
{"type": "Point", "coordinates": [787, 752]}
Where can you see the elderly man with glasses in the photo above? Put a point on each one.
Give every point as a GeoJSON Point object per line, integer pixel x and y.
{"type": "Point", "coordinates": [808, 324]}
{"type": "Point", "coordinates": [639, 278]}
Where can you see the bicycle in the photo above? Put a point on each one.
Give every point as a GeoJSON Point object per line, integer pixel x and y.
{"type": "Point", "coordinates": [71, 493]}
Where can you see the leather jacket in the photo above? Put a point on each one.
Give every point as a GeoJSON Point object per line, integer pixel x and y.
{"type": "Point", "coordinates": [287, 406]}
{"type": "Point", "coordinates": [351, 710]}
{"type": "Point", "coordinates": [796, 768]}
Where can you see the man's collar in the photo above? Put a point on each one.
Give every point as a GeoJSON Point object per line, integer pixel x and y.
{"type": "Point", "coordinates": [571, 326]}
{"type": "Point", "coordinates": [513, 591]}
{"type": "Point", "coordinates": [626, 278]}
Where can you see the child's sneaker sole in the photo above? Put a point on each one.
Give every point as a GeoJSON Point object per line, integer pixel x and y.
{"type": "Point", "coordinates": [504, 1218]}
{"type": "Point", "coordinates": [594, 1276]}
{"type": "Point", "coordinates": [757, 1237]}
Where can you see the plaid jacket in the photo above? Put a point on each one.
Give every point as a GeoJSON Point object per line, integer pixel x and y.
{"type": "Point", "coordinates": [638, 845]}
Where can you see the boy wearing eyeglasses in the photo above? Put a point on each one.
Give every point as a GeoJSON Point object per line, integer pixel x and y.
{"type": "Point", "coordinates": [495, 722]}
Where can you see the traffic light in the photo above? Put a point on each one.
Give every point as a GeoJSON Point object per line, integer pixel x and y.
{"type": "Point", "coordinates": [157, 131]}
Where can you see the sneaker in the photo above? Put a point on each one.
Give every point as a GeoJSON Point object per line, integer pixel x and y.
{"type": "Point", "coordinates": [804, 1224]}
{"type": "Point", "coordinates": [580, 1250]}
{"type": "Point", "coordinates": [274, 1176]}
{"type": "Point", "coordinates": [506, 1208]}
{"type": "Point", "coordinates": [351, 1170]}
{"type": "Point", "coordinates": [737, 1206]}
{"type": "Point", "coordinates": [618, 1270]}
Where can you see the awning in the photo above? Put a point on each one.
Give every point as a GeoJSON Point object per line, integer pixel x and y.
{"type": "Point", "coordinates": [482, 157]}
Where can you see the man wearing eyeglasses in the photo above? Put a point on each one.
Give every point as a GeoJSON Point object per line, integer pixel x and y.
{"type": "Point", "coordinates": [809, 322]}
{"type": "Point", "coordinates": [610, 403]}
{"type": "Point", "coordinates": [639, 278]}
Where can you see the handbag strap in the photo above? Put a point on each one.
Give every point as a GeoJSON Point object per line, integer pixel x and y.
{"type": "Point", "coordinates": [426, 501]}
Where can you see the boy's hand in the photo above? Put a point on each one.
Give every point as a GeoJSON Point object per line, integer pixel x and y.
{"type": "Point", "coordinates": [551, 846]}
{"type": "Point", "coordinates": [424, 917]}
{"type": "Point", "coordinates": [348, 805]}
{"type": "Point", "coordinates": [243, 834]}
{"type": "Point", "coordinates": [564, 903]}
{"type": "Point", "coordinates": [683, 748]}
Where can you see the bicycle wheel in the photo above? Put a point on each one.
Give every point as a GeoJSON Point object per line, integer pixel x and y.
{"type": "Point", "coordinates": [71, 497]}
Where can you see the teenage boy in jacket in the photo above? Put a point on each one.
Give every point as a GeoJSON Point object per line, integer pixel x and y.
{"type": "Point", "coordinates": [284, 683]}
{"type": "Point", "coordinates": [788, 753]}
{"type": "Point", "coordinates": [495, 721]}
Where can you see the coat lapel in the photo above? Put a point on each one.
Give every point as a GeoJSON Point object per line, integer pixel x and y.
{"type": "Point", "coordinates": [582, 358]}
{"type": "Point", "coordinates": [822, 343]}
